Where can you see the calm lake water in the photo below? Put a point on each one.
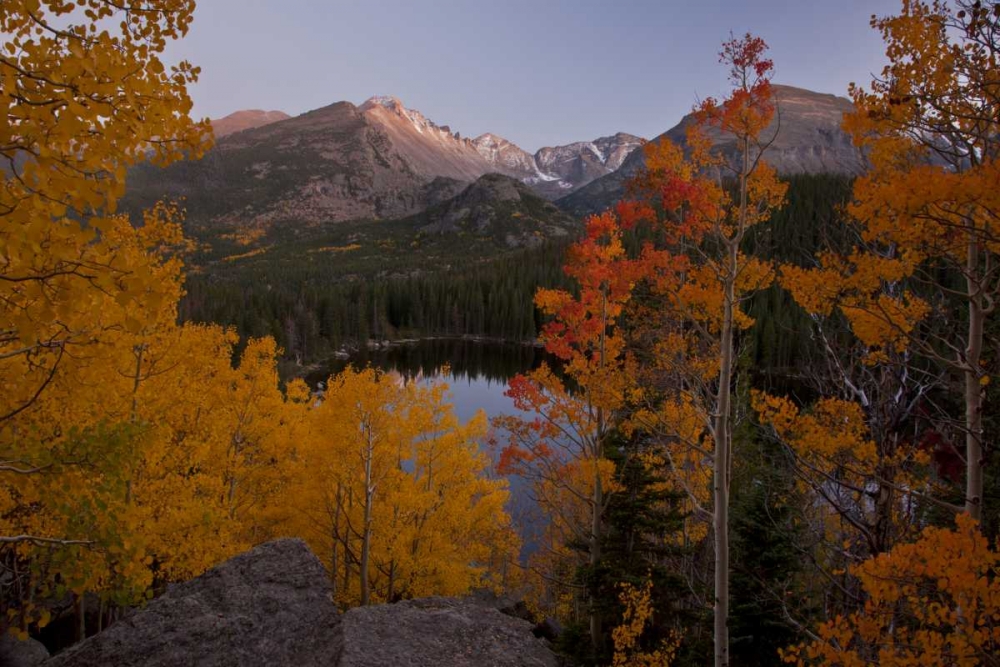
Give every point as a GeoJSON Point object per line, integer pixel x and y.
{"type": "Point", "coordinates": [477, 371]}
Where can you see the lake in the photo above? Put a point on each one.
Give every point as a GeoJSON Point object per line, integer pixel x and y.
{"type": "Point", "coordinates": [477, 373]}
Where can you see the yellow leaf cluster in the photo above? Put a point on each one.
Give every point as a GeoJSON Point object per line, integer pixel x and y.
{"type": "Point", "coordinates": [846, 468]}
{"type": "Point", "coordinates": [387, 461]}
{"type": "Point", "coordinates": [80, 105]}
{"type": "Point", "coordinates": [638, 612]}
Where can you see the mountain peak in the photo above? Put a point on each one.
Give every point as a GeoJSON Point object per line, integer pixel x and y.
{"type": "Point", "coordinates": [784, 90]}
{"type": "Point", "coordinates": [245, 119]}
{"type": "Point", "coordinates": [553, 171]}
{"type": "Point", "coordinates": [489, 139]}
{"type": "Point", "coordinates": [381, 104]}
{"type": "Point", "coordinates": [346, 162]}
{"type": "Point", "coordinates": [390, 102]}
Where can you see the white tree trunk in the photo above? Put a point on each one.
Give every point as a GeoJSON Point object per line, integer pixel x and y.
{"type": "Point", "coordinates": [973, 387]}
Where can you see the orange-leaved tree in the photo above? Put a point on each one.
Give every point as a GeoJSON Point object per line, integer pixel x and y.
{"type": "Point", "coordinates": [84, 95]}
{"type": "Point", "coordinates": [863, 475]}
{"type": "Point", "coordinates": [572, 420]}
{"type": "Point", "coordinates": [64, 451]}
{"type": "Point", "coordinates": [928, 207]}
{"type": "Point", "coordinates": [705, 201]}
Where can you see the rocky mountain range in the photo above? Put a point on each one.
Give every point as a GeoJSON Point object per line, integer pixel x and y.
{"type": "Point", "coordinates": [556, 171]}
{"type": "Point", "coordinates": [807, 139]}
{"type": "Point", "coordinates": [344, 162]}
{"type": "Point", "coordinates": [340, 162]}
{"type": "Point", "coordinates": [382, 160]}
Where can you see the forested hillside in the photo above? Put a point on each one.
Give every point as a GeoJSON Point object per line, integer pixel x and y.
{"type": "Point", "coordinates": [467, 266]}
{"type": "Point", "coordinates": [315, 311]}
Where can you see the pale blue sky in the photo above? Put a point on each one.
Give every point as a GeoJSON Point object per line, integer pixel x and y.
{"type": "Point", "coordinates": [538, 72]}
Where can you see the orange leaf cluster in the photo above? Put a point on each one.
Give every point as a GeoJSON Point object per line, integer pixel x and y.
{"type": "Point", "coordinates": [933, 602]}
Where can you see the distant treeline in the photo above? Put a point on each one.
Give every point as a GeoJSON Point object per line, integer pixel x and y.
{"type": "Point", "coordinates": [315, 312]}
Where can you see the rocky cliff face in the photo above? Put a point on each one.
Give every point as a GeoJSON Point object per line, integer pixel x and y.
{"type": "Point", "coordinates": [556, 171]}
{"type": "Point", "coordinates": [579, 163]}
{"type": "Point", "coordinates": [807, 139]}
{"type": "Point", "coordinates": [506, 157]}
{"type": "Point", "coordinates": [428, 149]}
{"type": "Point", "coordinates": [439, 632]}
{"type": "Point", "coordinates": [436, 150]}
{"type": "Point", "coordinates": [271, 607]}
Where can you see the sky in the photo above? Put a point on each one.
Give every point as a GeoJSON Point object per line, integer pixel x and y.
{"type": "Point", "coordinates": [536, 72]}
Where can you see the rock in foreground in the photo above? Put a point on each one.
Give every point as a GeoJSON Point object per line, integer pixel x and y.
{"type": "Point", "coordinates": [17, 653]}
{"type": "Point", "coordinates": [269, 606]}
{"type": "Point", "coordinates": [439, 632]}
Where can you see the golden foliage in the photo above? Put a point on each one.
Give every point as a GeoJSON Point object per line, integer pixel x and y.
{"type": "Point", "coordinates": [84, 96]}
{"type": "Point", "coordinates": [81, 106]}
{"type": "Point", "coordinates": [638, 612]}
{"type": "Point", "coordinates": [932, 602]}
{"type": "Point", "coordinates": [929, 199]}
{"type": "Point", "coordinates": [865, 486]}
{"type": "Point", "coordinates": [703, 203]}
{"type": "Point", "coordinates": [437, 523]}
{"type": "Point", "coordinates": [132, 451]}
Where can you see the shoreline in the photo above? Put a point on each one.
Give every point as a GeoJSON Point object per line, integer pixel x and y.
{"type": "Point", "coordinates": [298, 370]}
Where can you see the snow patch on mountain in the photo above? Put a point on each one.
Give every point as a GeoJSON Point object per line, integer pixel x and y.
{"type": "Point", "coordinates": [553, 170]}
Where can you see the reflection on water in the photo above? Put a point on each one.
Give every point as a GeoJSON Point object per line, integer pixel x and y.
{"type": "Point", "coordinates": [477, 373]}
{"type": "Point", "coordinates": [471, 360]}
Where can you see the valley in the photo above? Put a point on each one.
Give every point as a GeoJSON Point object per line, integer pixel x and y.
{"type": "Point", "coordinates": [373, 221]}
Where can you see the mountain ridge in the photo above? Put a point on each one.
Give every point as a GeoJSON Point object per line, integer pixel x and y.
{"type": "Point", "coordinates": [377, 160]}
{"type": "Point", "coordinates": [808, 139]}
{"type": "Point", "coordinates": [554, 171]}
{"type": "Point", "coordinates": [383, 160]}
